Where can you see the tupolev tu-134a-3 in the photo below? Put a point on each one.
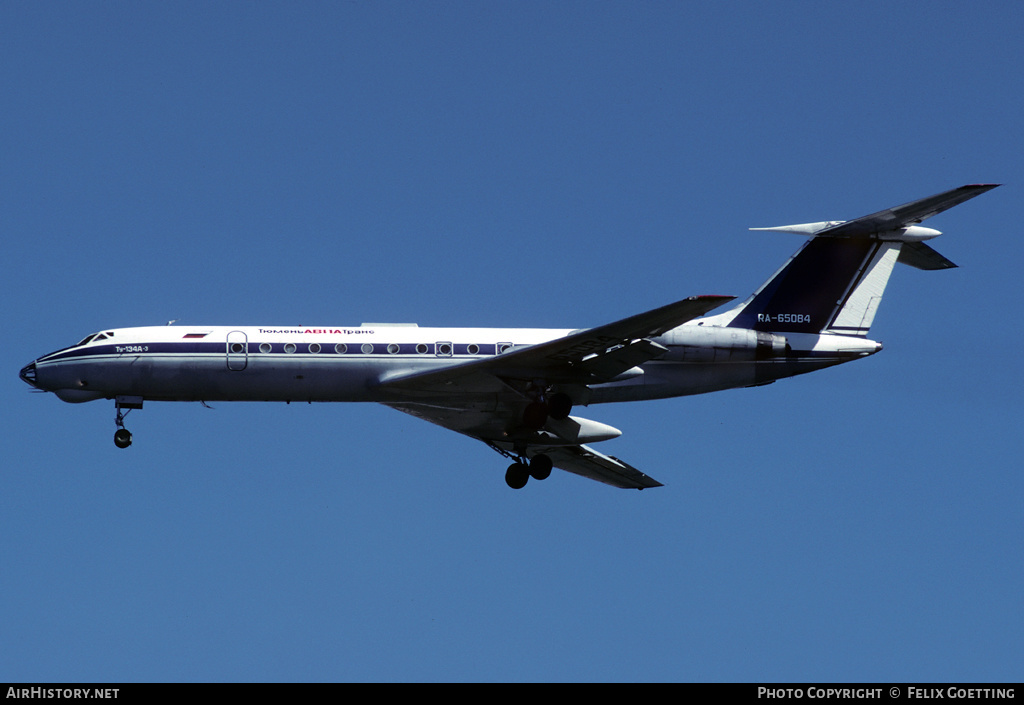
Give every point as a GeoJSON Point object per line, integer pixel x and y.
{"type": "Point", "coordinates": [515, 389]}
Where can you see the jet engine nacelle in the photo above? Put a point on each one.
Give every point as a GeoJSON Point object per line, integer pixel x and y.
{"type": "Point", "coordinates": [716, 344]}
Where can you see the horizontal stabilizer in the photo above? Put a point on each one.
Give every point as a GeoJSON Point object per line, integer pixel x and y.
{"type": "Point", "coordinates": [920, 255]}
{"type": "Point", "coordinates": [899, 223]}
{"type": "Point", "coordinates": [908, 214]}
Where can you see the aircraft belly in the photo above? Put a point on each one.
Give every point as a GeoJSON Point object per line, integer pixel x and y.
{"type": "Point", "coordinates": [208, 378]}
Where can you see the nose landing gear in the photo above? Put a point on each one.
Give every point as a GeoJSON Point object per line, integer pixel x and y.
{"type": "Point", "coordinates": [122, 436]}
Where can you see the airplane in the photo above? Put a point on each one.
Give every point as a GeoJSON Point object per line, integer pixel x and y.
{"type": "Point", "coordinates": [515, 389]}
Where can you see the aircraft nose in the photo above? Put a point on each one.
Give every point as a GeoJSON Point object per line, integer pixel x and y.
{"type": "Point", "coordinates": [28, 374]}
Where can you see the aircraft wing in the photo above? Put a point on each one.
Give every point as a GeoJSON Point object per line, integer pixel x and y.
{"type": "Point", "coordinates": [588, 356]}
{"type": "Point", "coordinates": [486, 423]}
{"type": "Point", "coordinates": [908, 214]}
{"type": "Point", "coordinates": [484, 399]}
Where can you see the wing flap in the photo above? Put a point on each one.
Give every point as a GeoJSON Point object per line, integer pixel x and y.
{"type": "Point", "coordinates": [612, 363]}
{"type": "Point", "coordinates": [586, 462]}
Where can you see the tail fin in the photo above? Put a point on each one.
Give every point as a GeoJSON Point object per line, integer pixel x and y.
{"type": "Point", "coordinates": [828, 285]}
{"type": "Point", "coordinates": [835, 282]}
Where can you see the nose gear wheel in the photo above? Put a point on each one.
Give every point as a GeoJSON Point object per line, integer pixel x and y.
{"type": "Point", "coordinates": [122, 436]}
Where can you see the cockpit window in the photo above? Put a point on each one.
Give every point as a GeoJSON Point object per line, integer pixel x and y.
{"type": "Point", "coordinates": [94, 337]}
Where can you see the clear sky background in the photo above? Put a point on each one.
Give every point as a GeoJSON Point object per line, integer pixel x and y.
{"type": "Point", "coordinates": [508, 164]}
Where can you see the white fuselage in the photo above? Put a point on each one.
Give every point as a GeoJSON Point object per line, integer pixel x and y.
{"type": "Point", "coordinates": [339, 363]}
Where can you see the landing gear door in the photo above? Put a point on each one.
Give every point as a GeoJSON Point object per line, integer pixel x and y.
{"type": "Point", "coordinates": [237, 350]}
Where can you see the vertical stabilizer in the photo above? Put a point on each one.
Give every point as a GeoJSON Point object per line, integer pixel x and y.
{"type": "Point", "coordinates": [830, 284]}
{"type": "Point", "coordinates": [835, 282]}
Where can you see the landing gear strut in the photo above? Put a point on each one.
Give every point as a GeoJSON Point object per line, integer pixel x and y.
{"type": "Point", "coordinates": [122, 436]}
{"type": "Point", "coordinates": [543, 406]}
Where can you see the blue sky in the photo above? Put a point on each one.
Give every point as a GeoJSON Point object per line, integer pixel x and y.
{"type": "Point", "coordinates": [508, 164]}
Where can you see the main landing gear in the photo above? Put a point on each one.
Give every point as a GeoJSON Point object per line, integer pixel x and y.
{"type": "Point", "coordinates": [544, 406]}
{"type": "Point", "coordinates": [519, 472]}
{"type": "Point", "coordinates": [122, 436]}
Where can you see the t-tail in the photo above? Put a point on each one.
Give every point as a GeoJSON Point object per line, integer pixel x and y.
{"type": "Point", "coordinates": [834, 283]}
